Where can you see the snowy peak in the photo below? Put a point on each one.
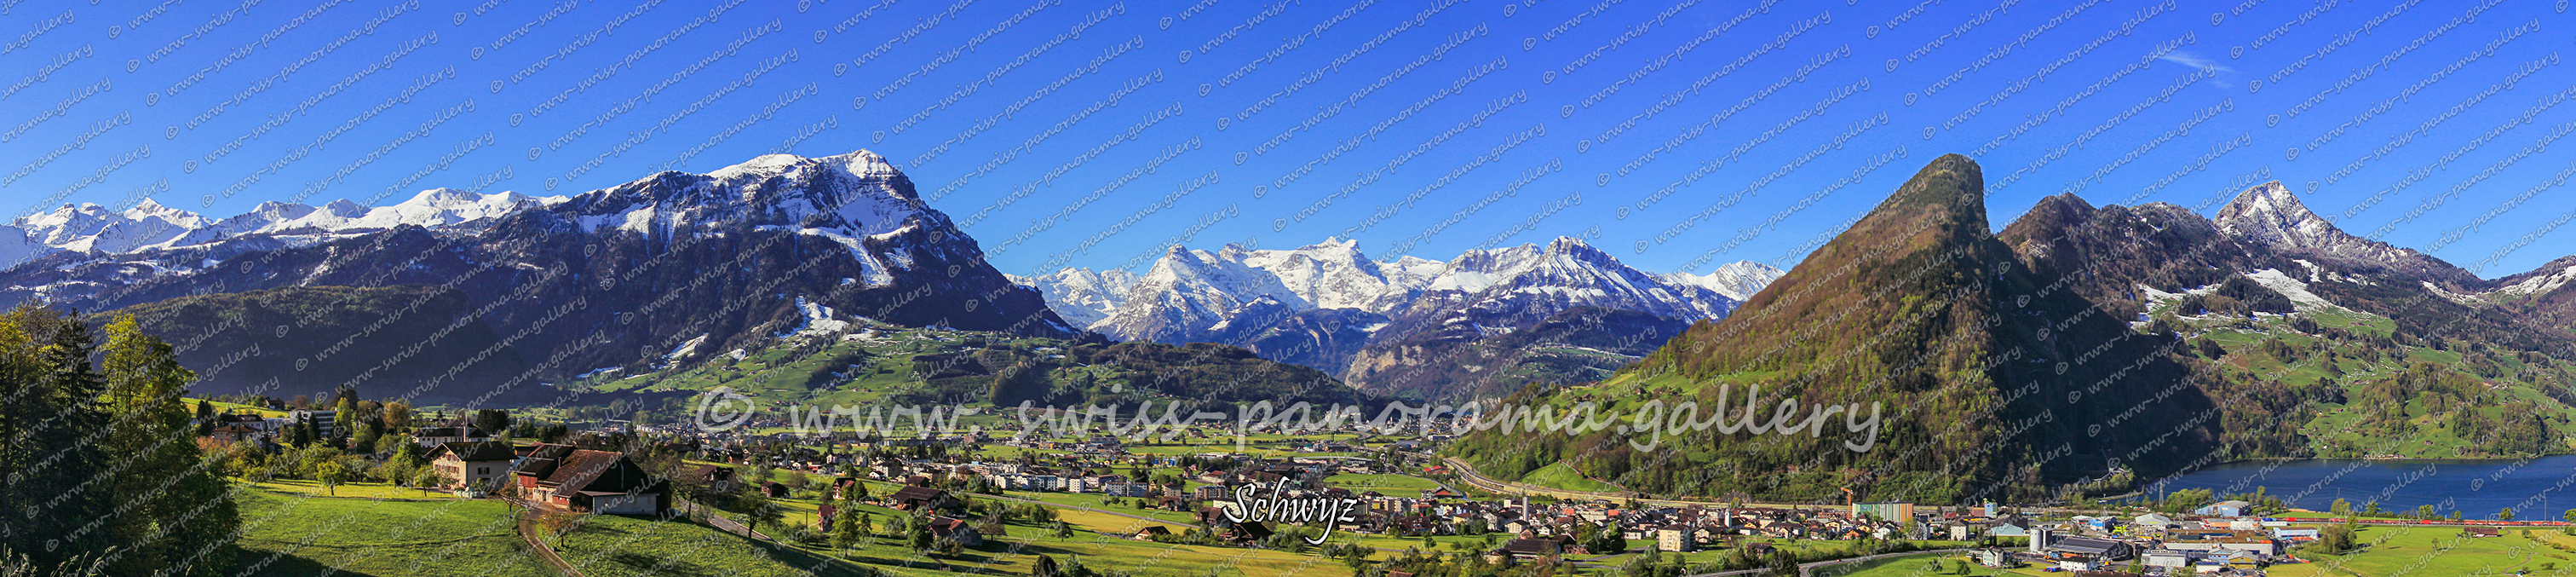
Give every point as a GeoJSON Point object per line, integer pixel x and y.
{"type": "Point", "coordinates": [149, 210]}
{"type": "Point", "coordinates": [1737, 280]}
{"type": "Point", "coordinates": [2542, 281]}
{"type": "Point", "coordinates": [1081, 296]}
{"type": "Point", "coordinates": [16, 248]}
{"type": "Point", "coordinates": [2270, 215]}
{"type": "Point", "coordinates": [862, 164]}
{"type": "Point", "coordinates": [846, 197]}
{"type": "Point", "coordinates": [90, 227]}
{"type": "Point", "coordinates": [436, 207]}
{"type": "Point", "coordinates": [1333, 274]}
{"type": "Point", "coordinates": [1191, 294]}
{"type": "Point", "coordinates": [150, 225]}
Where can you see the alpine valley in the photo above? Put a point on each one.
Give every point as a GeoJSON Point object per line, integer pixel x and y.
{"type": "Point", "coordinates": [2080, 348]}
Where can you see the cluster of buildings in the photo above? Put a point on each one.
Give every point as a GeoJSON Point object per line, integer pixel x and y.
{"type": "Point", "coordinates": [2157, 543]}
{"type": "Point", "coordinates": [561, 477]}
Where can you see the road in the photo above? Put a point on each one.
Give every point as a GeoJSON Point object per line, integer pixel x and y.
{"type": "Point", "coordinates": [1810, 568]}
{"type": "Point", "coordinates": [528, 532]}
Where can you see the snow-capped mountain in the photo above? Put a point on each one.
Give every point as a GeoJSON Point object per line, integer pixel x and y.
{"type": "Point", "coordinates": [1530, 281]}
{"type": "Point", "coordinates": [1320, 305]}
{"type": "Point", "coordinates": [1190, 293]}
{"type": "Point", "coordinates": [1334, 274]}
{"type": "Point", "coordinates": [431, 208]}
{"type": "Point", "coordinates": [779, 246]}
{"type": "Point", "coordinates": [2271, 216]}
{"type": "Point", "coordinates": [149, 225]}
{"type": "Point", "coordinates": [1082, 296]}
{"type": "Point", "coordinates": [855, 200]}
{"type": "Point", "coordinates": [1737, 280]}
{"type": "Point", "coordinates": [90, 227]}
{"type": "Point", "coordinates": [2541, 281]}
{"type": "Point", "coordinates": [16, 248]}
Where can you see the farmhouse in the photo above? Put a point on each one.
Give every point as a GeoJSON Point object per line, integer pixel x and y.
{"type": "Point", "coordinates": [582, 480]}
{"type": "Point", "coordinates": [956, 530]}
{"type": "Point", "coordinates": [919, 499]}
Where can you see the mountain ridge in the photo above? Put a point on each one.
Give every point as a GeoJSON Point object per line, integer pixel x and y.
{"type": "Point", "coordinates": [1327, 305]}
{"type": "Point", "coordinates": [615, 277]}
{"type": "Point", "coordinates": [1917, 308]}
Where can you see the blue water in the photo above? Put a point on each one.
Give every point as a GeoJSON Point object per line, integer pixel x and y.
{"type": "Point", "coordinates": [2538, 489]}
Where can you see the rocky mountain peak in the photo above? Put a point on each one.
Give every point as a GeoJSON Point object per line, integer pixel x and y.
{"type": "Point", "coordinates": [1952, 188]}
{"type": "Point", "coordinates": [852, 199]}
{"type": "Point", "coordinates": [2270, 215]}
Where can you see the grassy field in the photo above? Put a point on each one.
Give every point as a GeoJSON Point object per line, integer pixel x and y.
{"type": "Point", "coordinates": [298, 536]}
{"type": "Point", "coordinates": [609, 546]}
{"type": "Point", "coordinates": [614, 546]}
{"type": "Point", "coordinates": [2390, 551]}
{"type": "Point", "coordinates": [1907, 566]}
{"type": "Point", "coordinates": [233, 407]}
{"type": "Point", "coordinates": [349, 490]}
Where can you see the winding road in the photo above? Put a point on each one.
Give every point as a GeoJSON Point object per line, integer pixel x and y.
{"type": "Point", "coordinates": [528, 532]}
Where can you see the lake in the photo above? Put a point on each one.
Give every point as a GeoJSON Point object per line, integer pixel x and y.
{"type": "Point", "coordinates": [2538, 489]}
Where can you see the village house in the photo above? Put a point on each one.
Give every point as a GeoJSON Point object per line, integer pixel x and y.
{"type": "Point", "coordinates": [955, 530]}
{"type": "Point", "coordinates": [1675, 538]}
{"type": "Point", "coordinates": [581, 480]}
{"type": "Point", "coordinates": [462, 464]}
{"type": "Point", "coordinates": [919, 499]}
{"type": "Point", "coordinates": [709, 479]}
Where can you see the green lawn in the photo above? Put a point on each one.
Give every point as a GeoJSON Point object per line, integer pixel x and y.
{"type": "Point", "coordinates": [231, 407]}
{"type": "Point", "coordinates": [615, 546]}
{"type": "Point", "coordinates": [349, 490]}
{"type": "Point", "coordinates": [2391, 551]}
{"type": "Point", "coordinates": [297, 536]}
{"type": "Point", "coordinates": [1907, 566]}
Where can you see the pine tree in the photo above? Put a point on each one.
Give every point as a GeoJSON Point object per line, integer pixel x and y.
{"type": "Point", "coordinates": [845, 530]}
{"type": "Point", "coordinates": [205, 418]}
{"type": "Point", "coordinates": [48, 400]}
{"type": "Point", "coordinates": [918, 529]}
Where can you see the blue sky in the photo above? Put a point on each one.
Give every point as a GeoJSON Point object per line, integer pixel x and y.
{"type": "Point", "coordinates": [1678, 136]}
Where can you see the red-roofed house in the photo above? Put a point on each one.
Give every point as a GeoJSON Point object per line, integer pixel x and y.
{"type": "Point", "coordinates": [587, 481]}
